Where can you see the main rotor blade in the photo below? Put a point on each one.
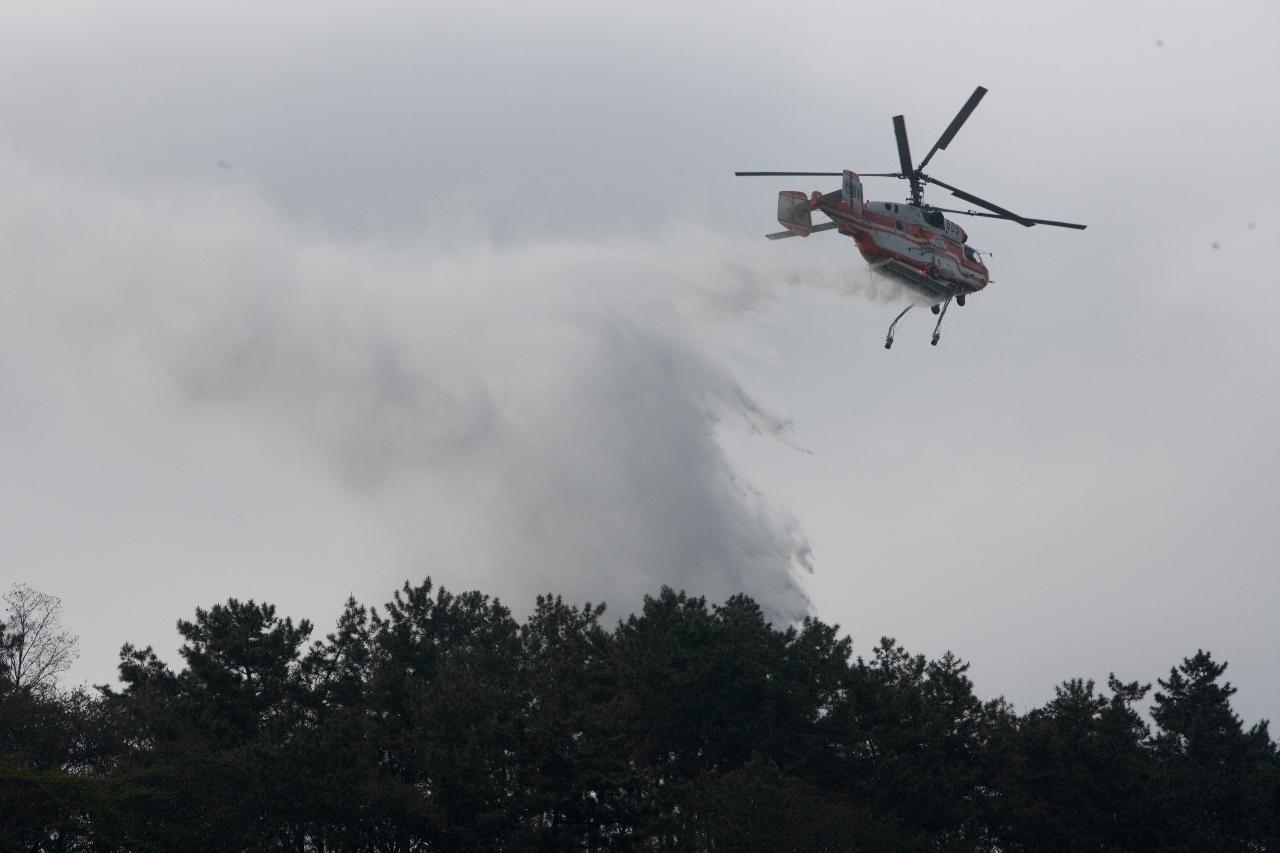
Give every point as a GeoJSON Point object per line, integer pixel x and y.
{"type": "Point", "coordinates": [904, 150]}
{"type": "Point", "coordinates": [824, 174]}
{"type": "Point", "coordinates": [982, 202]}
{"type": "Point", "coordinates": [998, 216]}
{"type": "Point", "coordinates": [956, 123]}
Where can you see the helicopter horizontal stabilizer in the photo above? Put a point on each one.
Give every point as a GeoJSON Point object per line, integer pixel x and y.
{"type": "Point", "coordinates": [780, 235]}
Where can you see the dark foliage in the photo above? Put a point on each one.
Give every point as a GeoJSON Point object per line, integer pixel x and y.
{"type": "Point", "coordinates": [442, 723]}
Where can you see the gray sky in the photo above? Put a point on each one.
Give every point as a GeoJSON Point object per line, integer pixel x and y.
{"type": "Point", "coordinates": [306, 300]}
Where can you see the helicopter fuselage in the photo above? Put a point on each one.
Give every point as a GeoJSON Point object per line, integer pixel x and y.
{"type": "Point", "coordinates": [915, 245]}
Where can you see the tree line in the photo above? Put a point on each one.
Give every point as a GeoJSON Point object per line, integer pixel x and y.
{"type": "Point", "coordinates": [440, 722]}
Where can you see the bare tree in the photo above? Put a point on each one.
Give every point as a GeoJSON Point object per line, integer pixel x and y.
{"type": "Point", "coordinates": [36, 648]}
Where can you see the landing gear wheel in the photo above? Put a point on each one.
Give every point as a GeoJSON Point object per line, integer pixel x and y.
{"type": "Point", "coordinates": [934, 342]}
{"type": "Point", "coordinates": [934, 308]}
{"type": "Point", "coordinates": [960, 300]}
{"type": "Point", "coordinates": [888, 344]}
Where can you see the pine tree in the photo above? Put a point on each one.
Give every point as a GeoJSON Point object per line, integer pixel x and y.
{"type": "Point", "coordinates": [1216, 781]}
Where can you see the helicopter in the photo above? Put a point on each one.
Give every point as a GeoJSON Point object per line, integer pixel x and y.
{"type": "Point", "coordinates": [912, 241]}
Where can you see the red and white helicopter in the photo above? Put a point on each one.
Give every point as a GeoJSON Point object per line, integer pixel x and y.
{"type": "Point", "coordinates": [911, 241]}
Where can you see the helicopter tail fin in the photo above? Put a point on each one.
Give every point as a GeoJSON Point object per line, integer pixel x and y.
{"type": "Point", "coordinates": [795, 213]}
{"type": "Point", "coordinates": [851, 192]}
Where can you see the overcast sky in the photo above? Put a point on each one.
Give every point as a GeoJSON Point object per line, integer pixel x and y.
{"type": "Point", "coordinates": [302, 300]}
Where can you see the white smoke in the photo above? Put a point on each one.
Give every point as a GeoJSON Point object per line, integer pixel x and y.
{"type": "Point", "coordinates": [516, 419]}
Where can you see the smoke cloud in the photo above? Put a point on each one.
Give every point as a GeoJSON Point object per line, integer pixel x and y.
{"type": "Point", "coordinates": [518, 419]}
